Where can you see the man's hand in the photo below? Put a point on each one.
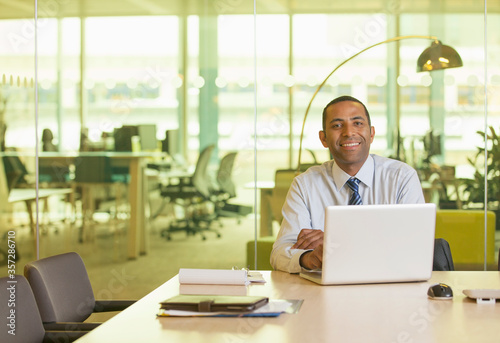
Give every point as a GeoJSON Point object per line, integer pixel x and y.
{"type": "Point", "coordinates": [312, 259]}
{"type": "Point", "coordinates": [309, 239]}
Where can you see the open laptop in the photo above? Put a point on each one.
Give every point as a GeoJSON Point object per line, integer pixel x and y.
{"type": "Point", "coordinates": [376, 244]}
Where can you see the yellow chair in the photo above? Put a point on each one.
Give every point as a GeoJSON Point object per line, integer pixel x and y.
{"type": "Point", "coordinates": [282, 180]}
{"type": "Point", "coordinates": [464, 231]}
{"type": "Point", "coordinates": [264, 248]}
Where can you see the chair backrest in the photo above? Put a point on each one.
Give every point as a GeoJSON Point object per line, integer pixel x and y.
{"type": "Point", "coordinates": [282, 180]}
{"type": "Point", "coordinates": [15, 170]}
{"type": "Point", "coordinates": [443, 260]}
{"type": "Point", "coordinates": [25, 322]}
{"type": "Point", "coordinates": [61, 287]}
{"type": "Point", "coordinates": [224, 175]}
{"type": "Point", "coordinates": [4, 189]}
{"type": "Point", "coordinates": [47, 137]}
{"type": "Point", "coordinates": [93, 169]}
{"type": "Point", "coordinates": [200, 177]}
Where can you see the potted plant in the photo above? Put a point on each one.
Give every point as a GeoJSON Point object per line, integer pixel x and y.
{"type": "Point", "coordinates": [474, 188]}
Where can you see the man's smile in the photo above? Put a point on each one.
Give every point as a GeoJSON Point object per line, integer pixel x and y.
{"type": "Point", "coordinates": [350, 144]}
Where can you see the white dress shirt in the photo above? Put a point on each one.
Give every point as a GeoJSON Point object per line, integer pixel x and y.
{"type": "Point", "coordinates": [383, 181]}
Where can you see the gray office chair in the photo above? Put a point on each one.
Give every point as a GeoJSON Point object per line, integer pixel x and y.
{"type": "Point", "coordinates": [225, 190]}
{"type": "Point", "coordinates": [28, 323]}
{"type": "Point", "coordinates": [64, 294]}
{"type": "Point", "coordinates": [192, 193]}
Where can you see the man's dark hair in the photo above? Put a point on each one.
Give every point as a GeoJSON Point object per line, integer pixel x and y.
{"type": "Point", "coordinates": [344, 98]}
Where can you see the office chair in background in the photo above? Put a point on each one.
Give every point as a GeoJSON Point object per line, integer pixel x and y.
{"type": "Point", "coordinates": [96, 184]}
{"type": "Point", "coordinates": [225, 190]}
{"type": "Point", "coordinates": [28, 323]}
{"type": "Point", "coordinates": [63, 292]}
{"type": "Point", "coordinates": [18, 176]}
{"type": "Point", "coordinates": [192, 193]}
{"type": "Point", "coordinates": [47, 144]}
{"type": "Point", "coordinates": [304, 166]}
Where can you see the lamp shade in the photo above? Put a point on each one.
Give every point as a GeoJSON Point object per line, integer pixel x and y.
{"type": "Point", "coordinates": [438, 56]}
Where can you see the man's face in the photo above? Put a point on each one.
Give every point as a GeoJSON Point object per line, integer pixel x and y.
{"type": "Point", "coordinates": [348, 135]}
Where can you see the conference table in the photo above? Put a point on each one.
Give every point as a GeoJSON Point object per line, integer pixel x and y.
{"type": "Point", "coordinates": [395, 312]}
{"type": "Point", "coordinates": [136, 164]}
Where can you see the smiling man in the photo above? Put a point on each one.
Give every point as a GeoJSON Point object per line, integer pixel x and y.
{"type": "Point", "coordinates": [348, 134]}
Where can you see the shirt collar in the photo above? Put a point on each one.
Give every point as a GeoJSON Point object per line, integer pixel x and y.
{"type": "Point", "coordinates": [365, 174]}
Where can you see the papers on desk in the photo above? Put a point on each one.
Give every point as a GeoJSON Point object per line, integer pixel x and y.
{"type": "Point", "coordinates": [218, 277]}
{"type": "Point", "coordinates": [226, 283]}
{"type": "Point", "coordinates": [272, 309]}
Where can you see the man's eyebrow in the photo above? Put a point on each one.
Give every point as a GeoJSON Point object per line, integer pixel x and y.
{"type": "Point", "coordinates": [352, 118]}
{"type": "Point", "coordinates": [358, 118]}
{"type": "Point", "coordinates": [336, 119]}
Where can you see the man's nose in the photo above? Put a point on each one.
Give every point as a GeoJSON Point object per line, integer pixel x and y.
{"type": "Point", "coordinates": [348, 130]}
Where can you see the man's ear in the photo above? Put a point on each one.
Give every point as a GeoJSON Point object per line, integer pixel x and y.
{"type": "Point", "coordinates": [372, 134]}
{"type": "Point", "coordinates": [322, 138]}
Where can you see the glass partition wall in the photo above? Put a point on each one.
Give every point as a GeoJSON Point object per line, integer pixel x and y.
{"type": "Point", "coordinates": [117, 102]}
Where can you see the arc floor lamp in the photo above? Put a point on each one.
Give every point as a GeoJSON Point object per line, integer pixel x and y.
{"type": "Point", "coordinates": [435, 57]}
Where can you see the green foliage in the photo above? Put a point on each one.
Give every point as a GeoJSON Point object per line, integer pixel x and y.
{"type": "Point", "coordinates": [474, 188]}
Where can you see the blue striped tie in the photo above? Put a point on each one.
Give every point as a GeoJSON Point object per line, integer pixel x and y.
{"type": "Point", "coordinates": [355, 197]}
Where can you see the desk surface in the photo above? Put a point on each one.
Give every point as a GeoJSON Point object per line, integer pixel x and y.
{"type": "Point", "coordinates": [399, 312]}
{"type": "Point", "coordinates": [23, 194]}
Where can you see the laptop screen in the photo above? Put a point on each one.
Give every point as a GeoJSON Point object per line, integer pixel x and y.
{"type": "Point", "coordinates": [378, 243]}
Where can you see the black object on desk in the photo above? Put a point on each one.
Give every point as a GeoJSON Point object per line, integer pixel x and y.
{"type": "Point", "coordinates": [214, 303]}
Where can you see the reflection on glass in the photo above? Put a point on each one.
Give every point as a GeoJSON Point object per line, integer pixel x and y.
{"type": "Point", "coordinates": [207, 77]}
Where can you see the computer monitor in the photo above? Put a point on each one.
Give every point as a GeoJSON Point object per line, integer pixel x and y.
{"type": "Point", "coordinates": [147, 137]}
{"type": "Point", "coordinates": [123, 137]}
{"type": "Point", "coordinates": [170, 143]}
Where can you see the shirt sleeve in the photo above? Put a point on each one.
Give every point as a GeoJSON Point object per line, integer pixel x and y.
{"type": "Point", "coordinates": [411, 192]}
{"type": "Point", "coordinates": [295, 218]}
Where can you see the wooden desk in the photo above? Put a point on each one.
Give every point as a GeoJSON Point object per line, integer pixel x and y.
{"type": "Point", "coordinates": [399, 312]}
{"type": "Point", "coordinates": [136, 162]}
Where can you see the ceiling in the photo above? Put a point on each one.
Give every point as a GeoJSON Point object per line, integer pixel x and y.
{"type": "Point", "coordinates": [14, 9]}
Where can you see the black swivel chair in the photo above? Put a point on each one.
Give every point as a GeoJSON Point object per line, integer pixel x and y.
{"type": "Point", "coordinates": [443, 261]}
{"type": "Point", "coordinates": [64, 294]}
{"type": "Point", "coordinates": [193, 194]}
{"type": "Point", "coordinates": [16, 172]}
{"type": "Point", "coordinates": [27, 324]}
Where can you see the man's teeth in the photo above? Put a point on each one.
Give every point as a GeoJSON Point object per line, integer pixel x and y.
{"type": "Point", "coordinates": [350, 144]}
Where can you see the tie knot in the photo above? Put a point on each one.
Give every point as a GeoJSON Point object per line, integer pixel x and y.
{"type": "Point", "coordinates": [353, 184]}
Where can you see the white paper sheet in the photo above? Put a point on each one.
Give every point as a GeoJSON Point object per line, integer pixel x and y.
{"type": "Point", "coordinates": [213, 276]}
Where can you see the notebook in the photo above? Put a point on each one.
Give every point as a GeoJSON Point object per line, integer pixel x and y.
{"type": "Point", "coordinates": [376, 244]}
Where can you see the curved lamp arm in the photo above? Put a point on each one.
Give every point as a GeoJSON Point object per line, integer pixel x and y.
{"type": "Point", "coordinates": [340, 65]}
